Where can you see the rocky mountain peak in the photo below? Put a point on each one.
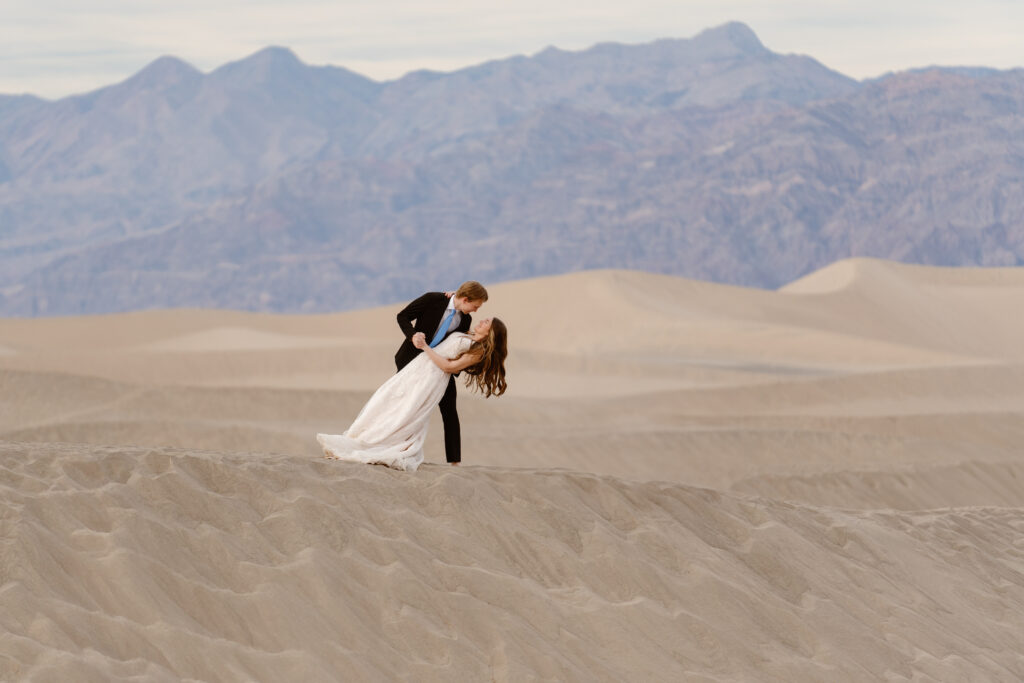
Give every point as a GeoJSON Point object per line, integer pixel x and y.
{"type": "Point", "coordinates": [734, 37]}
{"type": "Point", "coordinates": [268, 65]}
{"type": "Point", "coordinates": [161, 73]}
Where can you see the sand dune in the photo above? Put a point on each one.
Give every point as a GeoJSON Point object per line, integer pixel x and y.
{"type": "Point", "coordinates": [220, 339]}
{"type": "Point", "coordinates": [818, 483]}
{"type": "Point", "coordinates": [128, 564]}
{"type": "Point", "coordinates": [961, 310]}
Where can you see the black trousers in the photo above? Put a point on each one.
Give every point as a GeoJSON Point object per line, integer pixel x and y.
{"type": "Point", "coordinates": [450, 419]}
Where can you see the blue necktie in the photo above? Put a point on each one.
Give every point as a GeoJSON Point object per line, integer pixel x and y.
{"type": "Point", "coordinates": [444, 328]}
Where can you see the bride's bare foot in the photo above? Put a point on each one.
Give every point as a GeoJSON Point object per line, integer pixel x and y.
{"type": "Point", "coordinates": [329, 456]}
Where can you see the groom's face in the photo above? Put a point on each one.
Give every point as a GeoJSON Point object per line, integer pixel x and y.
{"type": "Point", "coordinates": [468, 305]}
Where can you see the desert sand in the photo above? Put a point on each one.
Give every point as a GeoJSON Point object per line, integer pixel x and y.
{"type": "Point", "coordinates": [685, 482]}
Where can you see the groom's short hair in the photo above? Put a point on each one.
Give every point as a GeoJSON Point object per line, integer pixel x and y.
{"type": "Point", "coordinates": [472, 291]}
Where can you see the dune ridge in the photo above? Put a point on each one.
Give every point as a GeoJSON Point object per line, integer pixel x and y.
{"type": "Point", "coordinates": [163, 563]}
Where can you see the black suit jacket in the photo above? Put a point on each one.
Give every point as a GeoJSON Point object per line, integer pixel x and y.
{"type": "Point", "coordinates": [424, 315]}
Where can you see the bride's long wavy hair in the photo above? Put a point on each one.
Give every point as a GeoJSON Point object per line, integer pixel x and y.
{"type": "Point", "coordinates": [488, 376]}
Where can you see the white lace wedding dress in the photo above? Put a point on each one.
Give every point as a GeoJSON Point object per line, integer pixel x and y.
{"type": "Point", "coordinates": [392, 426]}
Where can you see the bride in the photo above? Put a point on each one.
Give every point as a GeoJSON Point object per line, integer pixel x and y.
{"type": "Point", "coordinates": [392, 426]}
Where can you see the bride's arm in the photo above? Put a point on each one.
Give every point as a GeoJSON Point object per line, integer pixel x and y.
{"type": "Point", "coordinates": [447, 364]}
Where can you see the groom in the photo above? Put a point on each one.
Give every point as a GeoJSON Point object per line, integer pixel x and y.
{"type": "Point", "coordinates": [436, 315]}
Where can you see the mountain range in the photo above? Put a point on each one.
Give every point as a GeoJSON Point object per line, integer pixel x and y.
{"type": "Point", "coordinates": [269, 184]}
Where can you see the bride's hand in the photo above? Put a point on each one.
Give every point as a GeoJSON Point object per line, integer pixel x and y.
{"type": "Point", "coordinates": [419, 340]}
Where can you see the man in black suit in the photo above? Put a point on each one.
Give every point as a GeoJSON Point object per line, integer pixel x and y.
{"type": "Point", "coordinates": [435, 315]}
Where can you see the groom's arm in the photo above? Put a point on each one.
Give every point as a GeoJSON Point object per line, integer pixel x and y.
{"type": "Point", "coordinates": [412, 312]}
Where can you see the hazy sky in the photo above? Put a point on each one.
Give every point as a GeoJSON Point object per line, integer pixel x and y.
{"type": "Point", "coordinates": [58, 47]}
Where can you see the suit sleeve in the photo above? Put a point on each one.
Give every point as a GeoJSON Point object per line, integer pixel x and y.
{"type": "Point", "coordinates": [410, 313]}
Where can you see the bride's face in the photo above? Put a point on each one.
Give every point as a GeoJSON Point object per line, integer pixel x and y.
{"type": "Point", "coordinates": [482, 328]}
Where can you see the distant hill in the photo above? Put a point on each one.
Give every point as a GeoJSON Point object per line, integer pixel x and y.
{"type": "Point", "coordinates": [268, 184]}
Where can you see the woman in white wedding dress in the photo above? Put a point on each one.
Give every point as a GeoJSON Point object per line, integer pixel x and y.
{"type": "Point", "coordinates": [392, 426]}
